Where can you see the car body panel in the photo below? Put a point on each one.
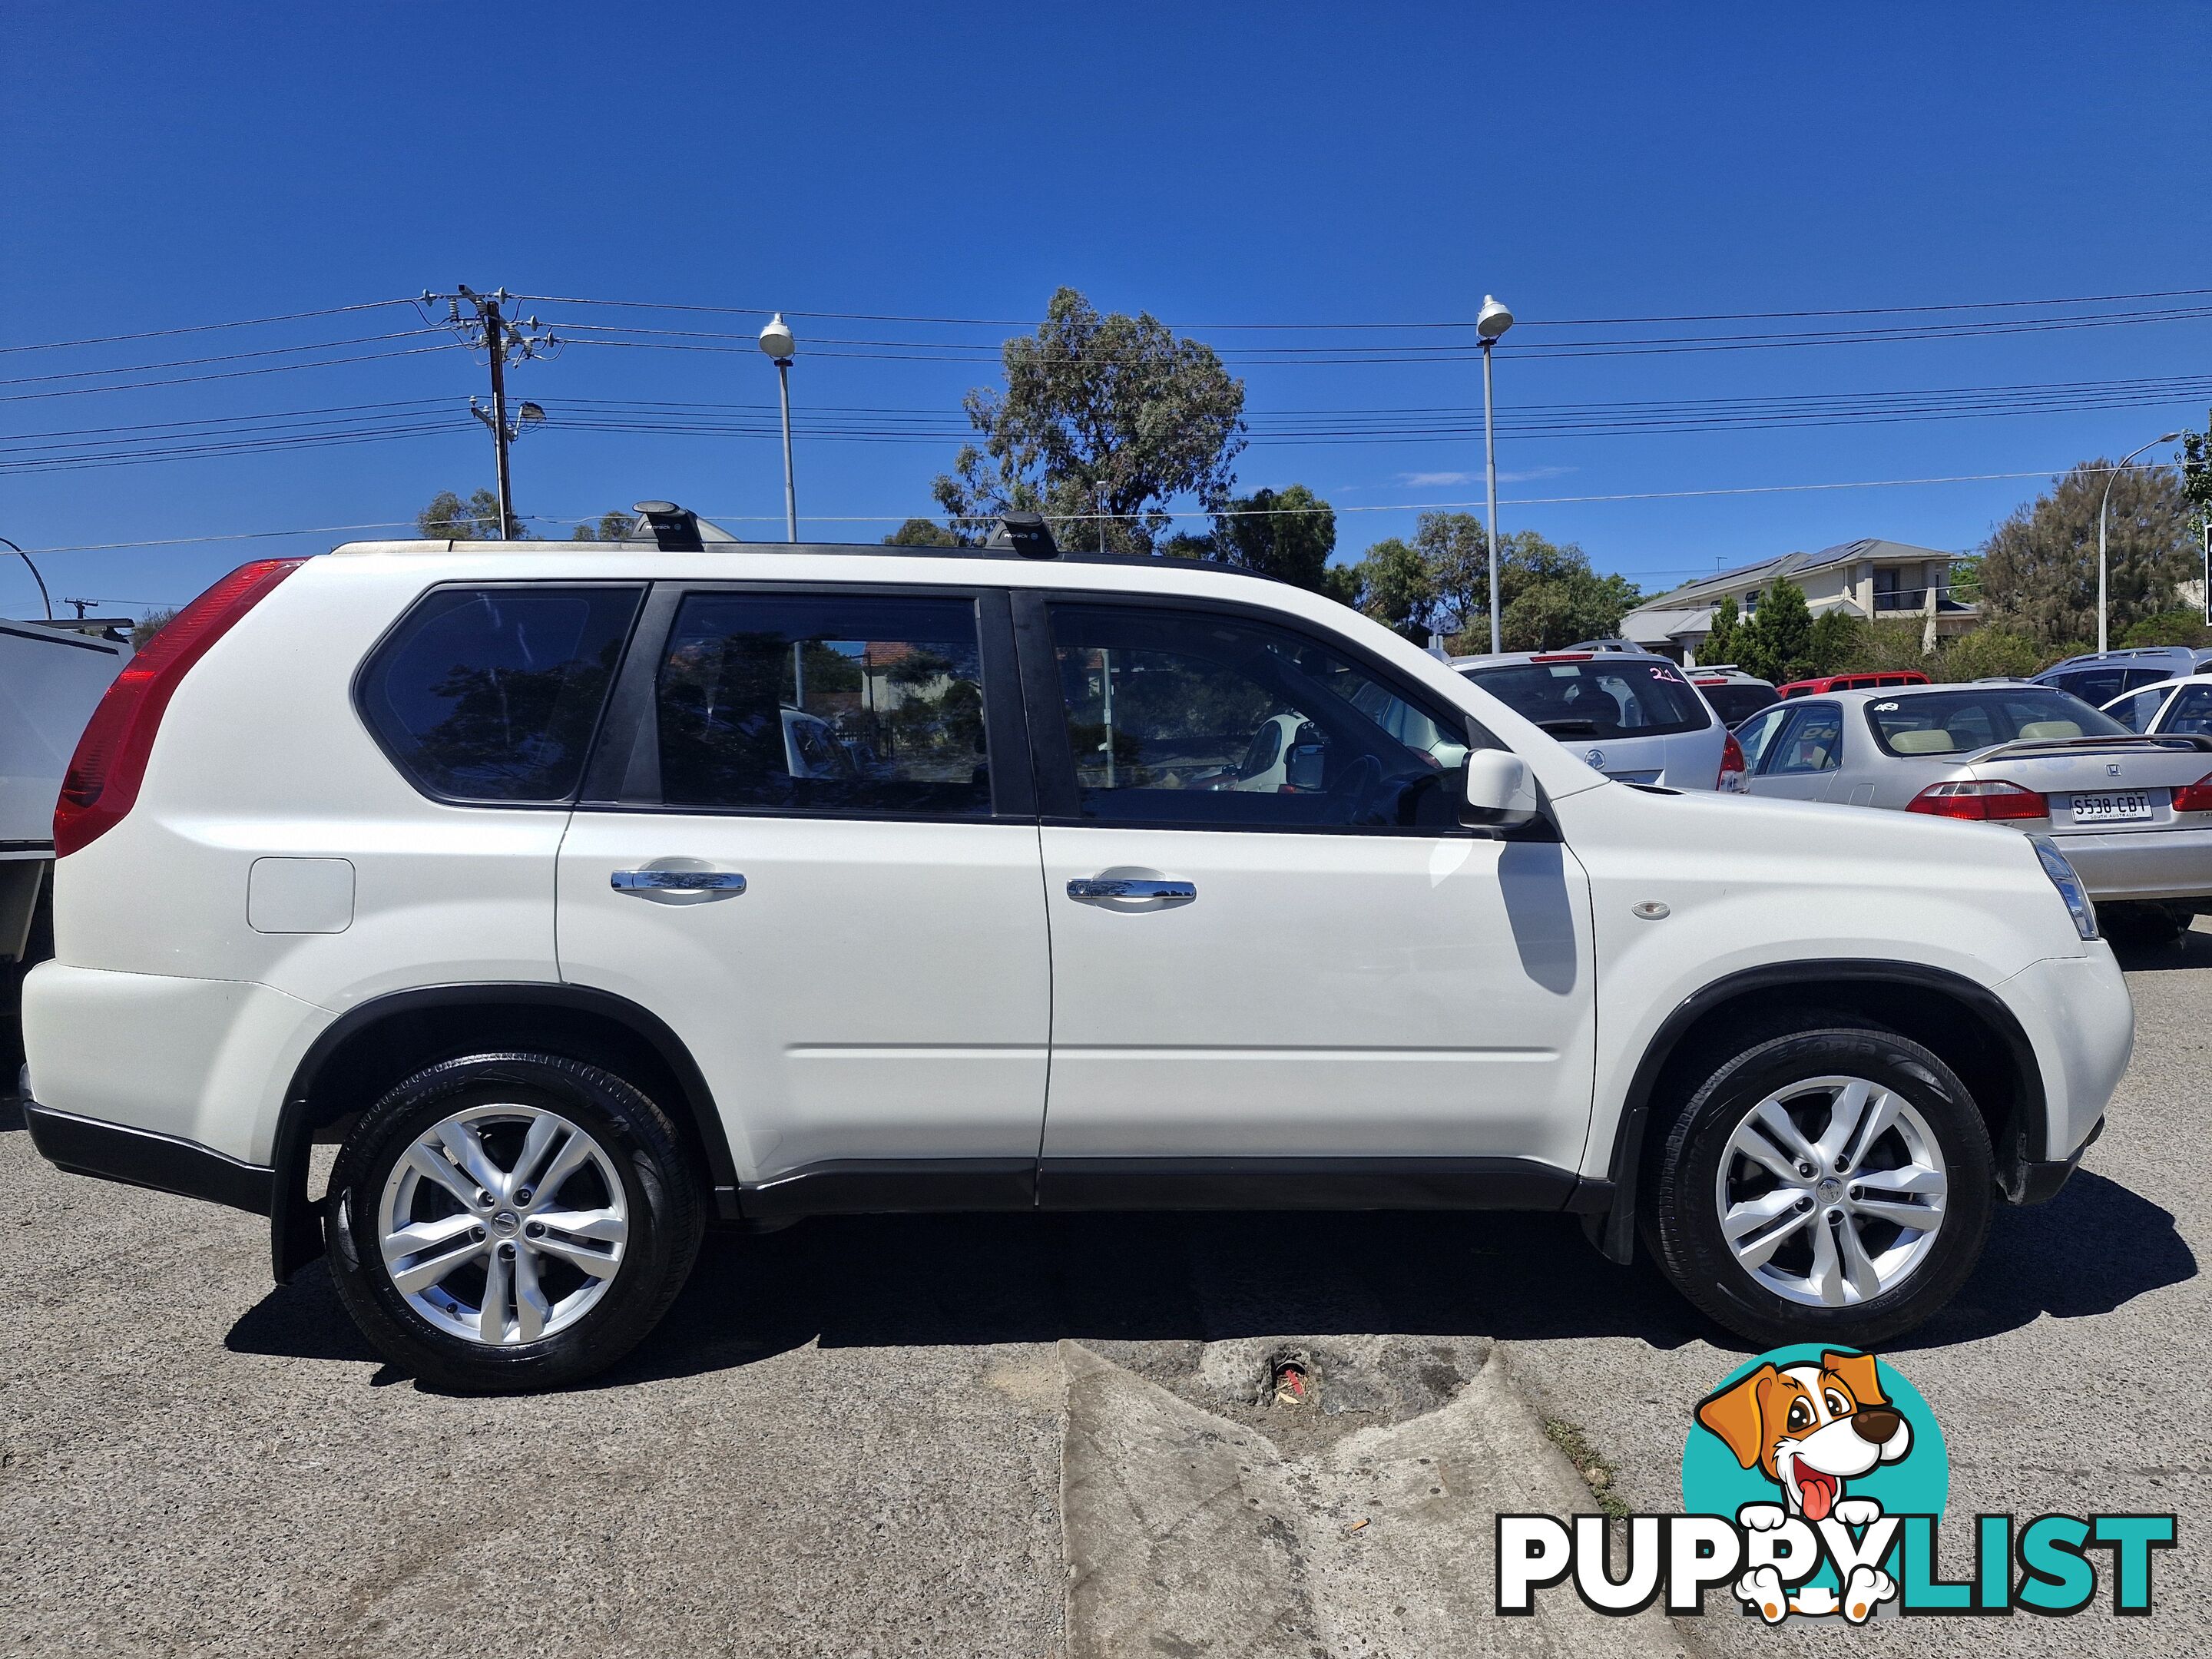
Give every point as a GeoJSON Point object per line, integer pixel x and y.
{"type": "Point", "coordinates": [1332, 965]}
{"type": "Point", "coordinates": [1683, 760]}
{"type": "Point", "coordinates": [2160, 855]}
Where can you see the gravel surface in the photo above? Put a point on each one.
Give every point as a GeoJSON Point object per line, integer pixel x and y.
{"type": "Point", "coordinates": [847, 1437]}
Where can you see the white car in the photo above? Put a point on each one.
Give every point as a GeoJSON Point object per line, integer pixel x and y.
{"type": "Point", "coordinates": [2182, 706]}
{"type": "Point", "coordinates": [1628, 714]}
{"type": "Point", "coordinates": [490, 863]}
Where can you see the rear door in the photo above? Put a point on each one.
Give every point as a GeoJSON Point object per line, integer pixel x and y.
{"type": "Point", "coordinates": [808, 845]}
{"type": "Point", "coordinates": [1328, 970]}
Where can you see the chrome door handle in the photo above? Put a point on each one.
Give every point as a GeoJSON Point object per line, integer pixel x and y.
{"type": "Point", "coordinates": [718, 882]}
{"type": "Point", "coordinates": [1125, 887]}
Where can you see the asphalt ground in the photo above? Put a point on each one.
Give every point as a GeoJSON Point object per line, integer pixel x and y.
{"type": "Point", "coordinates": [848, 1438]}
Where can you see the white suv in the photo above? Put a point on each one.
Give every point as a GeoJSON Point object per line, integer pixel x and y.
{"type": "Point", "coordinates": [493, 865]}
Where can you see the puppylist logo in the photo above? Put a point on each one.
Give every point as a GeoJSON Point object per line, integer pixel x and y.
{"type": "Point", "coordinates": [1814, 1482]}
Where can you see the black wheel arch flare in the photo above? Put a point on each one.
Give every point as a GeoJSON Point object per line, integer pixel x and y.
{"type": "Point", "coordinates": [370, 1047]}
{"type": "Point", "coordinates": [1959, 1018]}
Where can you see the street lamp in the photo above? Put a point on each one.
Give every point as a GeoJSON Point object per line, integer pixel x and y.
{"type": "Point", "coordinates": [1492, 321]}
{"type": "Point", "coordinates": [2102, 640]}
{"type": "Point", "coordinates": [776, 340]}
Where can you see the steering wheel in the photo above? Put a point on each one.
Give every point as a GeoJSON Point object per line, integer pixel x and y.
{"type": "Point", "coordinates": [1354, 791]}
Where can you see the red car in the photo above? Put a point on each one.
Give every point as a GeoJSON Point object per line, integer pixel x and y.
{"type": "Point", "coordinates": [1827, 682]}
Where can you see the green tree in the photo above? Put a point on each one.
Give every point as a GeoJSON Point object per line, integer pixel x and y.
{"type": "Point", "coordinates": [1721, 635]}
{"type": "Point", "coordinates": [1552, 597]}
{"type": "Point", "coordinates": [2169, 628]}
{"type": "Point", "coordinates": [1344, 584]}
{"type": "Point", "coordinates": [2039, 566]}
{"type": "Point", "coordinates": [1776, 643]}
{"type": "Point", "coordinates": [1886, 645]}
{"type": "Point", "coordinates": [613, 525]}
{"type": "Point", "coordinates": [1187, 544]}
{"type": "Point", "coordinates": [1835, 640]}
{"type": "Point", "coordinates": [450, 518]}
{"type": "Point", "coordinates": [1986, 654]}
{"type": "Point", "coordinates": [1287, 534]}
{"type": "Point", "coordinates": [921, 532]}
{"type": "Point", "coordinates": [1100, 415]}
{"type": "Point", "coordinates": [1395, 589]}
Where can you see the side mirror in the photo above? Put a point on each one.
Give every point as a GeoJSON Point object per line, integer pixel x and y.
{"type": "Point", "coordinates": [1497, 791]}
{"type": "Point", "coordinates": [1305, 766]}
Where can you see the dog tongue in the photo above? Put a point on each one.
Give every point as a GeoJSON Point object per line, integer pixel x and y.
{"type": "Point", "coordinates": [1818, 1493]}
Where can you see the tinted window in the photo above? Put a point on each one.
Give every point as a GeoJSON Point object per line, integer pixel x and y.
{"type": "Point", "coordinates": [2099, 686]}
{"type": "Point", "coordinates": [1619, 697]}
{"type": "Point", "coordinates": [2136, 712]}
{"type": "Point", "coordinates": [846, 703]}
{"type": "Point", "coordinates": [1955, 722]}
{"type": "Point", "coordinates": [2191, 713]}
{"type": "Point", "coordinates": [492, 693]}
{"type": "Point", "coordinates": [1198, 720]}
{"type": "Point", "coordinates": [1813, 742]}
{"type": "Point", "coordinates": [1736, 703]}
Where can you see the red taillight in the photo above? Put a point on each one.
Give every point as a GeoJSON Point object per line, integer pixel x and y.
{"type": "Point", "coordinates": [1731, 761]}
{"type": "Point", "coordinates": [1563, 656]}
{"type": "Point", "coordinates": [1982, 799]}
{"type": "Point", "coordinates": [2194, 797]}
{"type": "Point", "coordinates": [102, 781]}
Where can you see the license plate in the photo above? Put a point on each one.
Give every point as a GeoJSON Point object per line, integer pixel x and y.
{"type": "Point", "coordinates": [2111, 809]}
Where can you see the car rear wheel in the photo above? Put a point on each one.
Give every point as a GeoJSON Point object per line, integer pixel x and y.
{"type": "Point", "coordinates": [511, 1221]}
{"type": "Point", "coordinates": [1831, 1184]}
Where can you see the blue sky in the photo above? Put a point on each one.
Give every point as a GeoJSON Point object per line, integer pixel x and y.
{"type": "Point", "coordinates": [169, 166]}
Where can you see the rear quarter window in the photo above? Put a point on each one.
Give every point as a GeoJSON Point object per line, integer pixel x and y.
{"type": "Point", "coordinates": [492, 693]}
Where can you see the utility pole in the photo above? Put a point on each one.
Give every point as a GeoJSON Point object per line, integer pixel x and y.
{"type": "Point", "coordinates": [477, 320]}
{"type": "Point", "coordinates": [487, 311]}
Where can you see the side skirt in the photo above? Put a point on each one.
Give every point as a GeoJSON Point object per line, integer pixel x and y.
{"type": "Point", "coordinates": [860, 1187]}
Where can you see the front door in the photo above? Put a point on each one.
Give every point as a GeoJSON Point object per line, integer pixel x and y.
{"type": "Point", "coordinates": [1271, 937]}
{"type": "Point", "coordinates": [812, 855]}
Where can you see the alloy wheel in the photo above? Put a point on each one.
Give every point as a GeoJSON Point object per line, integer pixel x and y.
{"type": "Point", "coordinates": [503, 1224]}
{"type": "Point", "coordinates": [1831, 1191]}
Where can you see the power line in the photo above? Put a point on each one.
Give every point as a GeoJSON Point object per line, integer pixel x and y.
{"type": "Point", "coordinates": [225, 374]}
{"type": "Point", "coordinates": [1525, 322]}
{"type": "Point", "coordinates": [202, 328]}
{"type": "Point", "coordinates": [899, 518]}
{"type": "Point", "coordinates": [224, 357]}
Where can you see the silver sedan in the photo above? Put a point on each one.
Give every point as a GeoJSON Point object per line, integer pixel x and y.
{"type": "Point", "coordinates": [2132, 813]}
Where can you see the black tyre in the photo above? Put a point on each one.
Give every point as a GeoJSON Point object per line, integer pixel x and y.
{"type": "Point", "coordinates": [1829, 1184]}
{"type": "Point", "coordinates": [2143, 927]}
{"type": "Point", "coordinates": [511, 1221]}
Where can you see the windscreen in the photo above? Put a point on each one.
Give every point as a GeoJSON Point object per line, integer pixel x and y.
{"type": "Point", "coordinates": [1959, 722]}
{"type": "Point", "coordinates": [1608, 696]}
{"type": "Point", "coordinates": [1735, 704]}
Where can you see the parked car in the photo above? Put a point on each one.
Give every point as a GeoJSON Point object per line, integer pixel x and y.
{"type": "Point", "coordinates": [2100, 676]}
{"type": "Point", "coordinates": [1630, 715]}
{"type": "Point", "coordinates": [1822, 684]}
{"type": "Point", "coordinates": [488, 863]}
{"type": "Point", "coordinates": [2182, 706]}
{"type": "Point", "coordinates": [52, 675]}
{"type": "Point", "coordinates": [2132, 814]}
{"type": "Point", "coordinates": [1735, 695]}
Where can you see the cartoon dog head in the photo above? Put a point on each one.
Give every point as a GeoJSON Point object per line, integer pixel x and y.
{"type": "Point", "coordinates": [1809, 1428]}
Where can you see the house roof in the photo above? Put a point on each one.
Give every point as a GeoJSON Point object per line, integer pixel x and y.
{"type": "Point", "coordinates": [1707, 592]}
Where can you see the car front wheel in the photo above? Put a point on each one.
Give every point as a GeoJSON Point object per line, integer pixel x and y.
{"type": "Point", "coordinates": [511, 1221]}
{"type": "Point", "coordinates": [1831, 1184]}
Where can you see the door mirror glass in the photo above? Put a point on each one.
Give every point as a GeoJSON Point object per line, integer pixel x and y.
{"type": "Point", "coordinates": [1307, 768]}
{"type": "Point", "coordinates": [1498, 793]}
